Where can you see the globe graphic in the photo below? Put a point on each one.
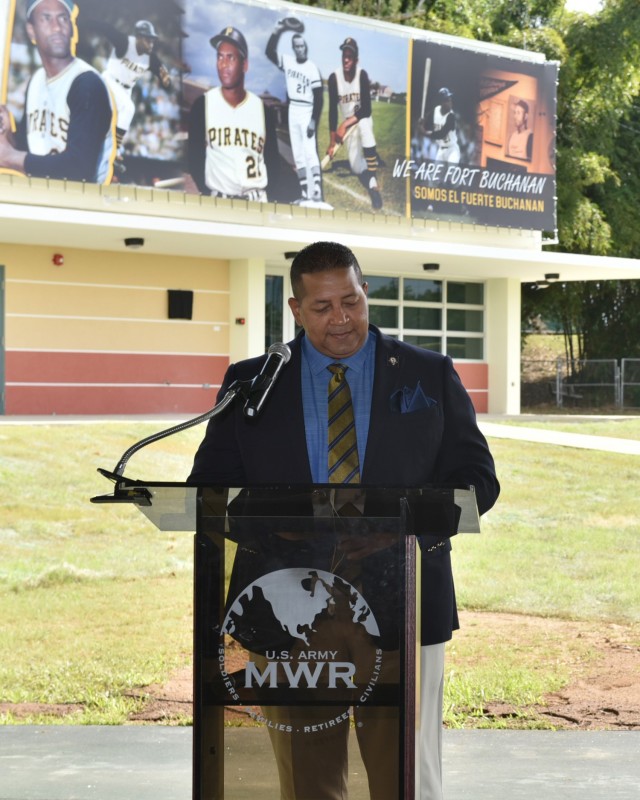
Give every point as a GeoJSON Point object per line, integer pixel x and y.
{"type": "Point", "coordinates": [293, 600]}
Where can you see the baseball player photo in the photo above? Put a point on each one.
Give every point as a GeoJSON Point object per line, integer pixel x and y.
{"type": "Point", "coordinates": [231, 140]}
{"type": "Point", "coordinates": [349, 91]}
{"type": "Point", "coordinates": [131, 57]}
{"type": "Point", "coordinates": [440, 130]}
{"type": "Point", "coordinates": [305, 96]}
{"type": "Point", "coordinates": [521, 140]}
{"type": "Point", "coordinates": [66, 131]}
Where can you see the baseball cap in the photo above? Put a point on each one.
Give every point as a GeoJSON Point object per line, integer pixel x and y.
{"type": "Point", "coordinates": [233, 36]}
{"type": "Point", "coordinates": [350, 44]}
{"type": "Point", "coordinates": [33, 4]}
{"type": "Point", "coordinates": [145, 28]}
{"type": "Point", "coordinates": [444, 92]}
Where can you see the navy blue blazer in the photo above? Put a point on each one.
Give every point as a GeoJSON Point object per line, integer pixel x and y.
{"type": "Point", "coordinates": [438, 443]}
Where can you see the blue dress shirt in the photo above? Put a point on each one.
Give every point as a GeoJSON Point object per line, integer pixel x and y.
{"type": "Point", "coordinates": [315, 381]}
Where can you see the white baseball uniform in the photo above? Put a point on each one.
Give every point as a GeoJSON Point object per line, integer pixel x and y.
{"type": "Point", "coordinates": [48, 115]}
{"type": "Point", "coordinates": [362, 136]}
{"type": "Point", "coordinates": [448, 149]}
{"type": "Point", "coordinates": [301, 79]}
{"type": "Point", "coordinates": [234, 160]}
{"type": "Point", "coordinates": [121, 75]}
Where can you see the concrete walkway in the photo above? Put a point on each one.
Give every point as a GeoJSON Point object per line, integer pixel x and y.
{"type": "Point", "coordinates": [492, 425]}
{"type": "Point", "coordinates": [502, 430]}
{"type": "Point", "coordinates": [154, 763]}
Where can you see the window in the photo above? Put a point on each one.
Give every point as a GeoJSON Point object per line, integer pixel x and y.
{"type": "Point", "coordinates": [273, 332]}
{"type": "Point", "coordinates": [418, 289]}
{"type": "Point", "coordinates": [445, 316]}
{"type": "Point", "coordinates": [383, 288]}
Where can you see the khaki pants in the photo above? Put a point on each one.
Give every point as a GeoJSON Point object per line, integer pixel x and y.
{"type": "Point", "coordinates": [312, 759]}
{"type": "Point", "coordinates": [429, 762]}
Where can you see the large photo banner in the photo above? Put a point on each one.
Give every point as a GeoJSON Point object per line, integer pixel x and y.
{"type": "Point", "coordinates": [273, 102]}
{"type": "Point", "coordinates": [482, 138]}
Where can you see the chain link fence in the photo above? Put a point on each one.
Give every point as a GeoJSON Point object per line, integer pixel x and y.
{"type": "Point", "coordinates": [589, 384]}
{"type": "Point", "coordinates": [630, 383]}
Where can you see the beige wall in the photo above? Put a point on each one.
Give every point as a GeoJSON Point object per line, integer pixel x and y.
{"type": "Point", "coordinates": [503, 345]}
{"type": "Point", "coordinates": [93, 334]}
{"type": "Point", "coordinates": [108, 301]}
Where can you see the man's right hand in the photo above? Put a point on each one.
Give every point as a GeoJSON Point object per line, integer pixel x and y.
{"type": "Point", "coordinates": [6, 123]}
{"type": "Point", "coordinates": [10, 158]}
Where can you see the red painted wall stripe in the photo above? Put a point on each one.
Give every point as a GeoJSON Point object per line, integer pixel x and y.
{"type": "Point", "coordinates": [108, 400]}
{"type": "Point", "coordinates": [473, 375]}
{"type": "Point", "coordinates": [475, 379]}
{"type": "Point", "coordinates": [480, 402]}
{"type": "Point", "coordinates": [129, 400]}
{"type": "Point", "coordinates": [164, 370]}
{"type": "Point", "coordinates": [44, 367]}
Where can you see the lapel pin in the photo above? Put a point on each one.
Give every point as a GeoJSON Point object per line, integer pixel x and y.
{"type": "Point", "coordinates": [393, 361]}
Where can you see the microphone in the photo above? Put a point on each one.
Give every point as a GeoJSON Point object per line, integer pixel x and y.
{"type": "Point", "coordinates": [278, 355]}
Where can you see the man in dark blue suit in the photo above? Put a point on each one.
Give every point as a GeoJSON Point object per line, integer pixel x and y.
{"type": "Point", "coordinates": [415, 425]}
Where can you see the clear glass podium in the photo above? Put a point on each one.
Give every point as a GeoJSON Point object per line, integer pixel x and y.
{"type": "Point", "coordinates": [313, 636]}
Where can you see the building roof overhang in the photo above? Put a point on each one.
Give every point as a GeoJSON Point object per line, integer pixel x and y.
{"type": "Point", "coordinates": [86, 216]}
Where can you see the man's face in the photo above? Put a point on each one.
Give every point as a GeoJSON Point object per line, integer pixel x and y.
{"type": "Point", "coordinates": [446, 105]}
{"type": "Point", "coordinates": [231, 66]}
{"type": "Point", "coordinates": [520, 116]}
{"type": "Point", "coordinates": [299, 48]}
{"type": "Point", "coordinates": [145, 45]}
{"type": "Point", "coordinates": [51, 27]}
{"type": "Point", "coordinates": [349, 62]}
{"type": "Point", "coordinates": [333, 311]}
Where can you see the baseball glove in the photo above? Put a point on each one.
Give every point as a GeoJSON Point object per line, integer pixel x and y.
{"type": "Point", "coordinates": [292, 24]}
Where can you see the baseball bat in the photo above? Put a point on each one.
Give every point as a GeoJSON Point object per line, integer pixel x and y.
{"type": "Point", "coordinates": [327, 158]}
{"type": "Point", "coordinates": [168, 183]}
{"type": "Point", "coordinates": [425, 86]}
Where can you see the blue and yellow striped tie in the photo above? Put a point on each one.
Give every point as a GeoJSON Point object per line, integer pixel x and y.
{"type": "Point", "coordinates": [344, 466]}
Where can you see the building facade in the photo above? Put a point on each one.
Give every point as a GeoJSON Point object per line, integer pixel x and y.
{"type": "Point", "coordinates": [90, 324]}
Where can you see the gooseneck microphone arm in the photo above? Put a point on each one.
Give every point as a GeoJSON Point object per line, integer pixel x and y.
{"type": "Point", "coordinates": [234, 390]}
{"type": "Point", "coordinates": [253, 391]}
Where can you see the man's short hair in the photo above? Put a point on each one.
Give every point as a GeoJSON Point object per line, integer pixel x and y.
{"type": "Point", "coordinates": [33, 4]}
{"type": "Point", "coordinates": [321, 257]}
{"type": "Point", "coordinates": [523, 105]}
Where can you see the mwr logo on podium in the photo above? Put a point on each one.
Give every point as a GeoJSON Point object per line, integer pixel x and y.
{"type": "Point", "coordinates": [304, 629]}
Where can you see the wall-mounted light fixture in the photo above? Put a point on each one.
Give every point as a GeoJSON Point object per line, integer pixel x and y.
{"type": "Point", "coordinates": [134, 242]}
{"type": "Point", "coordinates": [290, 254]}
{"type": "Point", "coordinates": [549, 277]}
{"type": "Point", "coordinates": [431, 267]}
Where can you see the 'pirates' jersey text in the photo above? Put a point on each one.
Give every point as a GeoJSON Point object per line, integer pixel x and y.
{"type": "Point", "coordinates": [234, 161]}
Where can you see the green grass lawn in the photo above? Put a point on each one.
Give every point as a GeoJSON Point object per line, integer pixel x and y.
{"type": "Point", "coordinates": [96, 601]}
{"type": "Point", "coordinates": [620, 428]}
{"type": "Point", "coordinates": [561, 541]}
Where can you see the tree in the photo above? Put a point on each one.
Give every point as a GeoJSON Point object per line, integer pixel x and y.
{"type": "Point", "coordinates": [598, 319]}
{"type": "Point", "coordinates": [599, 82]}
{"type": "Point", "coordinates": [598, 169]}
